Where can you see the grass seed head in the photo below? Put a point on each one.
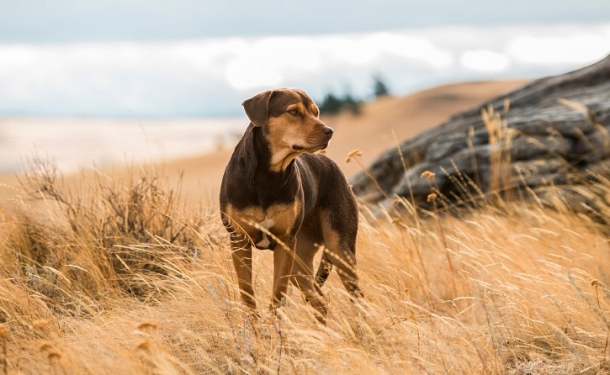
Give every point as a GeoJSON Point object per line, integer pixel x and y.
{"type": "Point", "coordinates": [40, 323]}
{"type": "Point", "coordinates": [148, 324]}
{"type": "Point", "coordinates": [4, 332]}
{"type": "Point", "coordinates": [143, 345]}
{"type": "Point", "coordinates": [53, 354]}
{"type": "Point", "coordinates": [428, 174]}
{"type": "Point", "coordinates": [46, 346]}
{"type": "Point", "coordinates": [353, 154]}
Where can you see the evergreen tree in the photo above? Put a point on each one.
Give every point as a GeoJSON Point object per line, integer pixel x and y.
{"type": "Point", "coordinates": [379, 87]}
{"type": "Point", "coordinates": [330, 105]}
{"type": "Point", "coordinates": [333, 104]}
{"type": "Point", "coordinates": [353, 105]}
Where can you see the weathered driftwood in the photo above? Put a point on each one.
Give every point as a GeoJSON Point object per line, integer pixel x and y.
{"type": "Point", "coordinates": [556, 138]}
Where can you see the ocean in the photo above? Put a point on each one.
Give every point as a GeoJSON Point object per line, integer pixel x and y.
{"type": "Point", "coordinates": [73, 143]}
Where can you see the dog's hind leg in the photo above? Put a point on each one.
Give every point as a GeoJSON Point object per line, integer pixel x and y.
{"type": "Point", "coordinates": [340, 243]}
{"type": "Point", "coordinates": [303, 278]}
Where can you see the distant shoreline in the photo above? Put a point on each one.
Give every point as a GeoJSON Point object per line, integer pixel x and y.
{"type": "Point", "coordinates": [72, 143]}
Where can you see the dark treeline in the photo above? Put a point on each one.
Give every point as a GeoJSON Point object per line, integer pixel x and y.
{"type": "Point", "coordinates": [333, 103]}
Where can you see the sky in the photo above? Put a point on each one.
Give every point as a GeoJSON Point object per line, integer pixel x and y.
{"type": "Point", "coordinates": [180, 58]}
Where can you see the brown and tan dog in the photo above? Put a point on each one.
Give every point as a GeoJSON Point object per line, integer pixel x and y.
{"type": "Point", "coordinates": [277, 194]}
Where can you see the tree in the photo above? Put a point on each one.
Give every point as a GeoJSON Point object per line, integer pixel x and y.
{"type": "Point", "coordinates": [379, 87]}
{"type": "Point", "coordinates": [332, 104]}
{"type": "Point", "coordinates": [353, 105]}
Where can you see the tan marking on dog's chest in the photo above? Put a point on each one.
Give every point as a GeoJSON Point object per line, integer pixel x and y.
{"type": "Point", "coordinates": [278, 219]}
{"type": "Point", "coordinates": [266, 224]}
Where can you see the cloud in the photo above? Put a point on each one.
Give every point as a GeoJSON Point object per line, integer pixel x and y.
{"type": "Point", "coordinates": [265, 62]}
{"type": "Point", "coordinates": [484, 61]}
{"type": "Point", "coordinates": [270, 61]}
{"type": "Point", "coordinates": [580, 48]}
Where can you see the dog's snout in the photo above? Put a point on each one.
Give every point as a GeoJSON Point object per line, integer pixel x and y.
{"type": "Point", "coordinates": [328, 131]}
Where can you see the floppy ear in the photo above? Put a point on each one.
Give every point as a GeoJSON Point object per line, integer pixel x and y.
{"type": "Point", "coordinates": [257, 107]}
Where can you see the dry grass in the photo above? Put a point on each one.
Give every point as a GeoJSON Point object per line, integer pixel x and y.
{"type": "Point", "coordinates": [122, 277]}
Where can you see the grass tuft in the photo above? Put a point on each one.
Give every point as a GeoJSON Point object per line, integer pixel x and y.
{"type": "Point", "coordinates": [121, 275]}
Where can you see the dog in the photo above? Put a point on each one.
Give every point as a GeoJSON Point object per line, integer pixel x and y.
{"type": "Point", "coordinates": [277, 193]}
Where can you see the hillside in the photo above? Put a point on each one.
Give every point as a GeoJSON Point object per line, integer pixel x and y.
{"type": "Point", "coordinates": [124, 277]}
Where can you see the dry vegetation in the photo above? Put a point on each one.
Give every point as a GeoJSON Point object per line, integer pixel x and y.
{"type": "Point", "coordinates": [123, 277]}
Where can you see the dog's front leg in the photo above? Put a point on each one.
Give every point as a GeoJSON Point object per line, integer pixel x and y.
{"type": "Point", "coordinates": [283, 261]}
{"type": "Point", "coordinates": [242, 261]}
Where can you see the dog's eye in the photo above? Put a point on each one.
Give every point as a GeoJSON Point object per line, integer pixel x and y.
{"type": "Point", "coordinates": [295, 112]}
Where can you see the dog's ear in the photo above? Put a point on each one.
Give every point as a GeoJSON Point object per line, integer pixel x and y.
{"type": "Point", "coordinates": [257, 107]}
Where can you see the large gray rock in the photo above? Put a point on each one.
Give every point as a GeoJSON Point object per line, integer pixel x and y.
{"type": "Point", "coordinates": [557, 136]}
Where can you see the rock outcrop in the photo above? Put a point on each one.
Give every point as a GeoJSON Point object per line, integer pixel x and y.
{"type": "Point", "coordinates": [544, 140]}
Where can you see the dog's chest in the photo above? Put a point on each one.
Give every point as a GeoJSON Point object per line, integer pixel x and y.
{"type": "Point", "coordinates": [265, 227]}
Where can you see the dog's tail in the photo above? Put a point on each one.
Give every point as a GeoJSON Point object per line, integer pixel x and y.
{"type": "Point", "coordinates": [324, 269]}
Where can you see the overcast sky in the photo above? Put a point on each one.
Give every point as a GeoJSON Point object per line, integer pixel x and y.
{"type": "Point", "coordinates": [202, 58]}
{"type": "Point", "coordinates": [112, 20]}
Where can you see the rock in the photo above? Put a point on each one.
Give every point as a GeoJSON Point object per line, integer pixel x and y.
{"type": "Point", "coordinates": [588, 201]}
{"type": "Point", "coordinates": [592, 147]}
{"type": "Point", "coordinates": [554, 134]}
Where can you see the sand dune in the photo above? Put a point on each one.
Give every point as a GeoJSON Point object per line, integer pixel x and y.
{"type": "Point", "coordinates": [371, 132]}
{"type": "Point", "coordinates": [406, 116]}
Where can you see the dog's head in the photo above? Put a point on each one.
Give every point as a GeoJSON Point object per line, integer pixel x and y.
{"type": "Point", "coordinates": [289, 119]}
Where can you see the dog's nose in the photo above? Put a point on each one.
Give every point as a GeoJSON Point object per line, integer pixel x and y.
{"type": "Point", "coordinates": [328, 130]}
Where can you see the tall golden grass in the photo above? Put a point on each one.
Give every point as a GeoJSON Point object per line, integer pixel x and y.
{"type": "Point", "coordinates": [122, 276]}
